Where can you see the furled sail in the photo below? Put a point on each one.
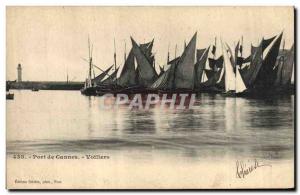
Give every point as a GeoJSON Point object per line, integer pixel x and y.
{"type": "Point", "coordinates": [184, 73]}
{"type": "Point", "coordinates": [128, 74]}
{"type": "Point", "coordinates": [101, 76]}
{"type": "Point", "coordinates": [146, 73]}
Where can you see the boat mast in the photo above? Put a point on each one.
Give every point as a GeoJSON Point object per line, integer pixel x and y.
{"type": "Point", "coordinates": [215, 48]}
{"type": "Point", "coordinates": [115, 57]}
{"type": "Point", "coordinates": [241, 47]}
{"type": "Point", "coordinates": [90, 62]}
{"type": "Point", "coordinates": [282, 58]}
{"type": "Point", "coordinates": [215, 67]}
{"type": "Point", "coordinates": [168, 58]}
{"type": "Point", "coordinates": [125, 53]}
{"type": "Point", "coordinates": [67, 76]}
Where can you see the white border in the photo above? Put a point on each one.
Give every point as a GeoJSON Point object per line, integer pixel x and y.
{"type": "Point", "coordinates": [5, 3]}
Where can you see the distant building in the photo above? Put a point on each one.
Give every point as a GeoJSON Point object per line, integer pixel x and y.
{"type": "Point", "coordinates": [19, 68]}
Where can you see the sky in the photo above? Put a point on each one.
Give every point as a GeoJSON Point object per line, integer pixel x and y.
{"type": "Point", "coordinates": [50, 42]}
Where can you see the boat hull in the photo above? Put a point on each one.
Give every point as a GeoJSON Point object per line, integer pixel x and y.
{"type": "Point", "coordinates": [89, 91]}
{"type": "Point", "coordinates": [10, 96]}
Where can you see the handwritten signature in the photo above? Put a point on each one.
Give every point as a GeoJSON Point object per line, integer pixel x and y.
{"type": "Point", "coordinates": [243, 169]}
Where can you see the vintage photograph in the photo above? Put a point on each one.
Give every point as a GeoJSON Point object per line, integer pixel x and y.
{"type": "Point", "coordinates": [191, 97]}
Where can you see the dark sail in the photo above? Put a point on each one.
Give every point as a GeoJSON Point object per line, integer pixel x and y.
{"type": "Point", "coordinates": [128, 75]}
{"type": "Point", "coordinates": [236, 52]}
{"type": "Point", "coordinates": [216, 63]}
{"type": "Point", "coordinates": [146, 73]}
{"type": "Point", "coordinates": [212, 81]}
{"type": "Point", "coordinates": [253, 49]}
{"type": "Point", "coordinates": [278, 70]}
{"type": "Point", "coordinates": [184, 73]}
{"type": "Point", "coordinates": [267, 42]}
{"type": "Point", "coordinates": [213, 50]}
{"type": "Point", "coordinates": [285, 68]}
{"type": "Point", "coordinates": [166, 80]}
{"type": "Point", "coordinates": [111, 79]}
{"type": "Point", "coordinates": [174, 61]}
{"type": "Point", "coordinates": [161, 69]}
{"type": "Point", "coordinates": [209, 73]}
{"type": "Point", "coordinates": [146, 49]}
{"type": "Point", "coordinates": [101, 76]}
{"type": "Point", "coordinates": [266, 76]}
{"type": "Point", "coordinates": [163, 80]}
{"type": "Point", "coordinates": [199, 54]}
{"type": "Point", "coordinates": [199, 67]}
{"type": "Point", "coordinates": [240, 61]}
{"type": "Point", "coordinates": [249, 73]}
{"type": "Point", "coordinates": [247, 59]}
{"type": "Point", "coordinates": [251, 56]}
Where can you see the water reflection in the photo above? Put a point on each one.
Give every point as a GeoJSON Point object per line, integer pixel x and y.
{"type": "Point", "coordinates": [216, 127]}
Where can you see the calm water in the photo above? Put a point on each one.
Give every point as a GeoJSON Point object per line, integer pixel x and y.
{"type": "Point", "coordinates": [68, 122]}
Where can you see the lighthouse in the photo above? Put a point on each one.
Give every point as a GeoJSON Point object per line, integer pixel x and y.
{"type": "Point", "coordinates": [19, 68]}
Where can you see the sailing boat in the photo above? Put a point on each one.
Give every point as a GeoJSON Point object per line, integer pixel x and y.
{"type": "Point", "coordinates": [200, 74]}
{"type": "Point", "coordinates": [180, 75]}
{"type": "Point", "coordinates": [228, 71]}
{"type": "Point", "coordinates": [215, 72]}
{"type": "Point", "coordinates": [145, 73]}
{"type": "Point", "coordinates": [240, 87]}
{"type": "Point", "coordinates": [9, 96]}
{"type": "Point", "coordinates": [88, 88]}
{"type": "Point", "coordinates": [234, 84]}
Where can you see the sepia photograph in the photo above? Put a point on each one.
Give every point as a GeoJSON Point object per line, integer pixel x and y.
{"type": "Point", "coordinates": [150, 97]}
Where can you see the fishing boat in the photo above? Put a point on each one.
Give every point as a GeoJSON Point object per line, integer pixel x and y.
{"type": "Point", "coordinates": [229, 75]}
{"type": "Point", "coordinates": [179, 78]}
{"type": "Point", "coordinates": [9, 96]}
{"type": "Point", "coordinates": [212, 69]}
{"type": "Point", "coordinates": [212, 78]}
{"type": "Point", "coordinates": [133, 80]}
{"type": "Point", "coordinates": [35, 89]}
{"type": "Point", "coordinates": [88, 88]}
{"type": "Point", "coordinates": [260, 78]}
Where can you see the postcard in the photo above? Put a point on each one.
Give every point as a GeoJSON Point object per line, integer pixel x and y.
{"type": "Point", "coordinates": [150, 97]}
